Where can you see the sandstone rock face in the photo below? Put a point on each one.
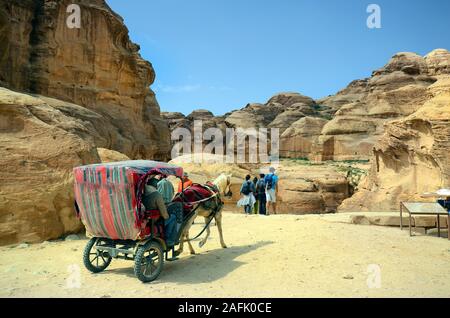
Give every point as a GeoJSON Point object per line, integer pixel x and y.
{"type": "Point", "coordinates": [40, 144]}
{"type": "Point", "coordinates": [411, 157]}
{"type": "Point", "coordinates": [96, 66]}
{"type": "Point", "coordinates": [395, 91]}
{"type": "Point", "coordinates": [108, 155]}
{"type": "Point", "coordinates": [175, 120]}
{"type": "Point", "coordinates": [90, 90]}
{"type": "Point", "coordinates": [301, 138]}
{"type": "Point", "coordinates": [281, 111]}
{"type": "Point", "coordinates": [307, 189]}
{"type": "Point", "coordinates": [36, 183]}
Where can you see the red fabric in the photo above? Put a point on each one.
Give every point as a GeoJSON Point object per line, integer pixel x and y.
{"type": "Point", "coordinates": [193, 194]}
{"type": "Point", "coordinates": [158, 230]}
{"type": "Point", "coordinates": [108, 197]}
{"type": "Point", "coordinates": [152, 214]}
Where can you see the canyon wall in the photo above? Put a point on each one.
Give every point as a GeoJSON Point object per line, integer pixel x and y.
{"type": "Point", "coordinates": [95, 66]}
{"type": "Point", "coordinates": [397, 119]}
{"type": "Point", "coordinates": [410, 158]}
{"type": "Point", "coordinates": [66, 93]}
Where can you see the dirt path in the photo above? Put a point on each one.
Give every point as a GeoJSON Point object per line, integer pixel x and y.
{"type": "Point", "coordinates": [276, 256]}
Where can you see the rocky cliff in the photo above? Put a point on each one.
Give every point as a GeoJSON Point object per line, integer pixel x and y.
{"type": "Point", "coordinates": [95, 66]}
{"type": "Point", "coordinates": [282, 111]}
{"type": "Point", "coordinates": [395, 91]}
{"type": "Point", "coordinates": [410, 158]}
{"type": "Point", "coordinates": [69, 92]}
{"type": "Point", "coordinates": [398, 119]}
{"type": "Point", "coordinates": [347, 125]}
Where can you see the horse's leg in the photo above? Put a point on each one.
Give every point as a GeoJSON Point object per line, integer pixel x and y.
{"type": "Point", "coordinates": [203, 242]}
{"type": "Point", "coordinates": [191, 249]}
{"type": "Point", "coordinates": [180, 248]}
{"type": "Point", "coordinates": [218, 218]}
{"type": "Point", "coordinates": [185, 235]}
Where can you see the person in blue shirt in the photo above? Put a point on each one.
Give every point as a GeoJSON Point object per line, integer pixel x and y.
{"type": "Point", "coordinates": [271, 181]}
{"type": "Point", "coordinates": [166, 189]}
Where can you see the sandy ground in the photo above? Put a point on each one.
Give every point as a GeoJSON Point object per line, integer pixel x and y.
{"type": "Point", "coordinates": [276, 256]}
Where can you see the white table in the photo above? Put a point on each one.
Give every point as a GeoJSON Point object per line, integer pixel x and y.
{"type": "Point", "coordinates": [423, 208]}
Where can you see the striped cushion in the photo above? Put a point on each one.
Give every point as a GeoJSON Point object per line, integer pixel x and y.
{"type": "Point", "coordinates": [106, 198]}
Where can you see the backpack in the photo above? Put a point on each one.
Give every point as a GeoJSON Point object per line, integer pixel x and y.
{"type": "Point", "coordinates": [261, 186]}
{"type": "Point", "coordinates": [246, 189]}
{"type": "Point", "coordinates": [269, 182]}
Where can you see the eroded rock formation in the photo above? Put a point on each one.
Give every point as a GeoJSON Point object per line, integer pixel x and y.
{"type": "Point", "coordinates": [411, 157]}
{"type": "Point", "coordinates": [398, 119]}
{"type": "Point", "coordinates": [81, 89]}
{"type": "Point", "coordinates": [39, 144]}
{"type": "Point", "coordinates": [300, 140]}
{"type": "Point", "coordinates": [95, 66]}
{"type": "Point", "coordinates": [282, 111]}
{"type": "Point", "coordinates": [395, 91]}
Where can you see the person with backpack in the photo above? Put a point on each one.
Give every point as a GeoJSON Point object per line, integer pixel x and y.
{"type": "Point", "coordinates": [261, 194]}
{"type": "Point", "coordinates": [256, 206]}
{"type": "Point", "coordinates": [248, 199]}
{"type": "Point", "coordinates": [271, 181]}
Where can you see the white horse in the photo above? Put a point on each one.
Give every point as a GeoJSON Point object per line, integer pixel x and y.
{"type": "Point", "coordinates": [223, 183]}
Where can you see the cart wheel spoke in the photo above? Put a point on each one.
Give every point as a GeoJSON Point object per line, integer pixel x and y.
{"type": "Point", "coordinates": [149, 261]}
{"type": "Point", "coordinates": [104, 261]}
{"type": "Point", "coordinates": [146, 268]}
{"type": "Point", "coordinates": [95, 260]}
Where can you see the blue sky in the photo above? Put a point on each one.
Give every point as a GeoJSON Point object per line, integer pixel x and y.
{"type": "Point", "coordinates": [222, 54]}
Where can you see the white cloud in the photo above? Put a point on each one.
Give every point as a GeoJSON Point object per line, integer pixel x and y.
{"type": "Point", "coordinates": [177, 89]}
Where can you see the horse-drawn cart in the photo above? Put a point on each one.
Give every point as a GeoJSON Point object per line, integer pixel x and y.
{"type": "Point", "coordinates": [108, 199]}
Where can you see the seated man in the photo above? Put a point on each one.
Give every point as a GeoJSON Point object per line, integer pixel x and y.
{"type": "Point", "coordinates": [165, 187]}
{"type": "Point", "coordinates": [153, 200]}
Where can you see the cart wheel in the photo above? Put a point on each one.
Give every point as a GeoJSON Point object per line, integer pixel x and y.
{"type": "Point", "coordinates": [94, 260]}
{"type": "Point", "coordinates": [149, 261]}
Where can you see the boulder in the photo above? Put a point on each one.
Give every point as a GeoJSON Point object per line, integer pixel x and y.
{"type": "Point", "coordinates": [306, 189]}
{"type": "Point", "coordinates": [108, 155]}
{"type": "Point", "coordinates": [40, 144]}
{"type": "Point", "coordinates": [438, 62]}
{"type": "Point", "coordinates": [290, 98]}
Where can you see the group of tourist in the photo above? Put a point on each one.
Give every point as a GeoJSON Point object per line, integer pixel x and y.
{"type": "Point", "coordinates": [259, 194]}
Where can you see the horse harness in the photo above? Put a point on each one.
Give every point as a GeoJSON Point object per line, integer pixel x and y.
{"type": "Point", "coordinates": [213, 189]}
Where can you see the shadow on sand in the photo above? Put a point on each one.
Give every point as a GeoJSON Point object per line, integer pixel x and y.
{"type": "Point", "coordinates": [205, 267]}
